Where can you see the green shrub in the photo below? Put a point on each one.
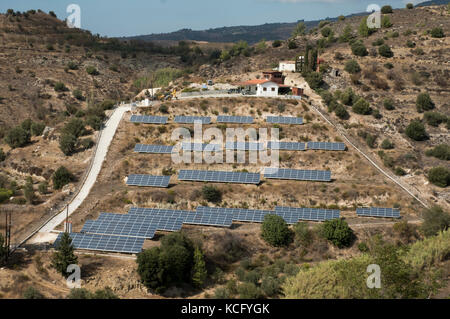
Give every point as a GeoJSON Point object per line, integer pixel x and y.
{"type": "Point", "coordinates": [303, 235]}
{"type": "Point", "coordinates": [17, 137]}
{"type": "Point", "coordinates": [163, 108]}
{"type": "Point", "coordinates": [60, 87]}
{"type": "Point", "coordinates": [326, 32]}
{"type": "Point", "coordinates": [270, 286]}
{"type": "Point", "coordinates": [439, 176]}
{"type": "Point", "coordinates": [410, 44]}
{"type": "Point", "coordinates": [386, 22]}
{"type": "Point", "coordinates": [388, 104]}
{"type": "Point", "coordinates": [341, 112]}
{"type": "Point", "coordinates": [386, 9]}
{"type": "Point", "coordinates": [2, 155]}
{"type": "Point", "coordinates": [249, 291]}
{"type": "Point", "coordinates": [64, 255]}
{"type": "Point", "coordinates": [352, 67]}
{"type": "Point", "coordinates": [441, 151]}
{"type": "Point", "coordinates": [32, 293]}
{"type": "Point", "coordinates": [212, 194]}
{"type": "Point", "coordinates": [78, 94]}
{"type": "Point", "coordinates": [275, 231]}
{"type": "Point", "coordinates": [94, 122]}
{"type": "Point", "coordinates": [361, 107]}
{"type": "Point", "coordinates": [5, 195]}
{"type": "Point", "coordinates": [276, 43]}
{"type": "Point", "coordinates": [437, 33]}
{"type": "Point", "coordinates": [370, 140]}
{"type": "Point", "coordinates": [337, 232]}
{"type": "Point", "coordinates": [37, 128]}
{"type": "Point", "coordinates": [74, 127]}
{"type": "Point", "coordinates": [314, 79]}
{"type": "Point", "coordinates": [43, 188]}
{"type": "Point", "coordinates": [359, 49]}
{"type": "Point", "coordinates": [62, 177]}
{"type": "Point", "coordinates": [399, 171]}
{"type": "Point", "coordinates": [409, 6]}
{"type": "Point", "coordinates": [87, 143]}
{"type": "Point", "coordinates": [292, 45]}
{"type": "Point", "coordinates": [72, 65]}
{"type": "Point", "coordinates": [424, 102]}
{"type": "Point", "coordinates": [67, 143]}
{"type": "Point", "coordinates": [416, 131]}
{"type": "Point", "coordinates": [435, 221]}
{"type": "Point", "coordinates": [387, 144]}
{"type": "Point", "coordinates": [91, 70]}
{"type": "Point", "coordinates": [434, 118]}
{"type": "Point", "coordinates": [385, 51]}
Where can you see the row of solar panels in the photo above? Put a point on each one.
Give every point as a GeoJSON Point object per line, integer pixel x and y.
{"type": "Point", "coordinates": [181, 119]}
{"type": "Point", "coordinates": [229, 177]}
{"type": "Point", "coordinates": [241, 146]}
{"type": "Point", "coordinates": [126, 233]}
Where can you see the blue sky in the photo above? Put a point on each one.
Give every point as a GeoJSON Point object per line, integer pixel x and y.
{"type": "Point", "coordinates": [137, 17]}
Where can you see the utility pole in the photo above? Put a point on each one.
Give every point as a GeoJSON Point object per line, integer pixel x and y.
{"type": "Point", "coordinates": [66, 224]}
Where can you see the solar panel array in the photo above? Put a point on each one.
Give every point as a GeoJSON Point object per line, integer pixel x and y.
{"type": "Point", "coordinates": [199, 147]}
{"type": "Point", "coordinates": [219, 177]}
{"type": "Point", "coordinates": [148, 119]}
{"type": "Point", "coordinates": [286, 146]}
{"type": "Point", "coordinates": [297, 174]}
{"type": "Point", "coordinates": [239, 214]}
{"type": "Point", "coordinates": [189, 217]}
{"type": "Point", "coordinates": [234, 119]}
{"type": "Point", "coordinates": [159, 222]}
{"type": "Point", "coordinates": [326, 146]}
{"type": "Point", "coordinates": [148, 180]}
{"type": "Point", "coordinates": [107, 227]}
{"type": "Point", "coordinates": [293, 214]}
{"type": "Point", "coordinates": [191, 119]}
{"type": "Point", "coordinates": [244, 146]}
{"type": "Point", "coordinates": [155, 149]}
{"type": "Point", "coordinates": [284, 120]}
{"type": "Point", "coordinates": [378, 212]}
{"type": "Point", "coordinates": [109, 243]}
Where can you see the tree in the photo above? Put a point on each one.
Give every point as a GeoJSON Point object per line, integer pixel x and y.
{"type": "Point", "coordinates": [300, 29]}
{"type": "Point", "coordinates": [61, 177]}
{"type": "Point", "coordinates": [275, 231]}
{"type": "Point", "coordinates": [212, 194]}
{"type": "Point", "coordinates": [387, 144]}
{"type": "Point", "coordinates": [60, 87]}
{"type": "Point", "coordinates": [364, 29]}
{"type": "Point", "coordinates": [314, 79]}
{"type": "Point", "coordinates": [337, 232]}
{"type": "Point", "coordinates": [292, 45]}
{"type": "Point", "coordinates": [437, 33]}
{"type": "Point", "coordinates": [37, 129]}
{"type": "Point", "coordinates": [361, 107]}
{"type": "Point", "coordinates": [32, 293]}
{"type": "Point", "coordinates": [386, 9]}
{"type": "Point", "coordinates": [435, 221]}
{"type": "Point", "coordinates": [352, 67]}
{"type": "Point", "coordinates": [388, 104]}
{"type": "Point", "coordinates": [416, 131]}
{"type": "Point", "coordinates": [67, 143]}
{"type": "Point", "coordinates": [424, 102]}
{"type": "Point", "coordinates": [439, 176]}
{"type": "Point", "coordinates": [199, 268]}
{"type": "Point", "coordinates": [276, 44]}
{"type": "Point", "coordinates": [303, 234]}
{"type": "Point", "coordinates": [341, 112]}
{"type": "Point", "coordinates": [347, 34]}
{"type": "Point", "coordinates": [385, 51]}
{"type": "Point", "coordinates": [29, 192]}
{"type": "Point", "coordinates": [64, 255]}
{"type": "Point", "coordinates": [441, 151]}
{"type": "Point", "coordinates": [359, 49]}
{"type": "Point", "coordinates": [386, 22]}
{"type": "Point", "coordinates": [92, 70]}
{"type": "Point", "coordinates": [409, 6]}
{"type": "Point", "coordinates": [74, 127]}
{"type": "Point", "coordinates": [2, 155]}
{"type": "Point", "coordinates": [17, 137]}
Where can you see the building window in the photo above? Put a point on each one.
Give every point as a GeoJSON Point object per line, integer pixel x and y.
{"type": "Point", "coordinates": [264, 89]}
{"type": "Point", "coordinates": [273, 89]}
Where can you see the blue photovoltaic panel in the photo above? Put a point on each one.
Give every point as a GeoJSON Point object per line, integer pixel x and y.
{"type": "Point", "coordinates": [295, 174]}
{"type": "Point", "coordinates": [109, 243]}
{"type": "Point", "coordinates": [148, 180]}
{"type": "Point", "coordinates": [155, 149]}
{"type": "Point", "coordinates": [199, 147]}
{"type": "Point", "coordinates": [219, 177]}
{"type": "Point", "coordinates": [244, 146]}
{"type": "Point", "coordinates": [189, 217]}
{"type": "Point", "coordinates": [326, 146]}
{"type": "Point", "coordinates": [286, 146]}
{"type": "Point", "coordinates": [284, 120]}
{"type": "Point", "coordinates": [294, 214]}
{"type": "Point", "coordinates": [234, 119]}
{"type": "Point", "coordinates": [107, 227]}
{"type": "Point", "coordinates": [239, 214]}
{"type": "Point", "coordinates": [181, 119]}
{"type": "Point", "coordinates": [148, 119]}
{"type": "Point", "coordinates": [378, 212]}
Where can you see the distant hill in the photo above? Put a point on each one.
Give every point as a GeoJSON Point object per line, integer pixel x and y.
{"type": "Point", "coordinates": [251, 34]}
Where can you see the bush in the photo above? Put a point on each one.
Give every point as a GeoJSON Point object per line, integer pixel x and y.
{"type": "Point", "coordinates": [276, 43]}
{"type": "Point", "coordinates": [437, 33]}
{"type": "Point", "coordinates": [62, 177]}
{"type": "Point", "coordinates": [270, 286]}
{"type": "Point", "coordinates": [17, 137]}
{"type": "Point", "coordinates": [352, 67]}
{"type": "Point", "coordinates": [60, 87]}
{"type": "Point", "coordinates": [275, 231]}
{"type": "Point", "coordinates": [326, 32]}
{"type": "Point", "coordinates": [434, 118]}
{"type": "Point", "coordinates": [249, 291]}
{"type": "Point", "coordinates": [385, 51]}
{"type": "Point", "coordinates": [435, 221]}
{"type": "Point", "coordinates": [292, 45]}
{"type": "Point", "coordinates": [359, 49]}
{"type": "Point", "coordinates": [439, 176]}
{"type": "Point", "coordinates": [410, 44]}
{"type": "Point", "coordinates": [337, 232]}
{"type": "Point", "coordinates": [5, 194]}
{"type": "Point", "coordinates": [399, 171]}
{"type": "Point", "coordinates": [32, 293]}
{"type": "Point", "coordinates": [388, 104]}
{"type": "Point", "coordinates": [441, 152]}
{"type": "Point", "coordinates": [424, 102]}
{"type": "Point", "coordinates": [409, 6]}
{"type": "Point", "coordinates": [341, 112]}
{"type": "Point", "coordinates": [92, 70]}
{"type": "Point", "coordinates": [2, 155]}
{"type": "Point", "coordinates": [387, 145]}
{"type": "Point", "coordinates": [67, 143]}
{"type": "Point", "coordinates": [303, 235]}
{"type": "Point", "coordinates": [386, 22]}
{"type": "Point", "coordinates": [74, 127]}
{"type": "Point", "coordinates": [72, 65]}
{"type": "Point", "coordinates": [87, 143]}
{"type": "Point", "coordinates": [212, 194]}
{"type": "Point", "coordinates": [94, 121]}
{"type": "Point", "coordinates": [78, 94]}
{"type": "Point", "coordinates": [37, 129]}
{"type": "Point", "coordinates": [43, 188]}
{"type": "Point", "coordinates": [386, 9]}
{"type": "Point", "coordinates": [361, 107]}
{"type": "Point", "coordinates": [370, 140]}
{"type": "Point", "coordinates": [314, 80]}
{"type": "Point", "coordinates": [416, 131]}
{"type": "Point", "coordinates": [164, 109]}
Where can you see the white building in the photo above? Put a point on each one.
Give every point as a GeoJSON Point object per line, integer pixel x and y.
{"type": "Point", "coordinates": [287, 66]}
{"type": "Point", "coordinates": [261, 87]}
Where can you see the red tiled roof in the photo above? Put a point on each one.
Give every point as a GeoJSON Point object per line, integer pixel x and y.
{"type": "Point", "coordinates": [254, 82]}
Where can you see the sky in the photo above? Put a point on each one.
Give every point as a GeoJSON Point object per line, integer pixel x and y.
{"type": "Point", "coordinates": [114, 18]}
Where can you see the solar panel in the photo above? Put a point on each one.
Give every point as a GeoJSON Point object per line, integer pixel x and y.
{"type": "Point", "coordinates": [284, 120]}
{"type": "Point", "coordinates": [219, 177]}
{"type": "Point", "coordinates": [239, 214]}
{"type": "Point", "coordinates": [148, 119]}
{"type": "Point", "coordinates": [244, 146]}
{"type": "Point", "coordinates": [199, 147]}
{"type": "Point", "coordinates": [286, 146]}
{"type": "Point", "coordinates": [378, 212]}
{"type": "Point", "coordinates": [189, 217]}
{"type": "Point", "coordinates": [155, 149]}
{"type": "Point", "coordinates": [326, 146]}
{"type": "Point", "coordinates": [294, 214]}
{"type": "Point", "coordinates": [109, 243]}
{"type": "Point", "coordinates": [234, 119]}
{"type": "Point", "coordinates": [148, 180]}
{"type": "Point", "coordinates": [107, 227]}
{"type": "Point", "coordinates": [296, 174]}
{"type": "Point", "coordinates": [181, 119]}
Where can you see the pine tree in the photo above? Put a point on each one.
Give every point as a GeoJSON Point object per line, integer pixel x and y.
{"type": "Point", "coordinates": [199, 269]}
{"type": "Point", "coordinates": [64, 256]}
